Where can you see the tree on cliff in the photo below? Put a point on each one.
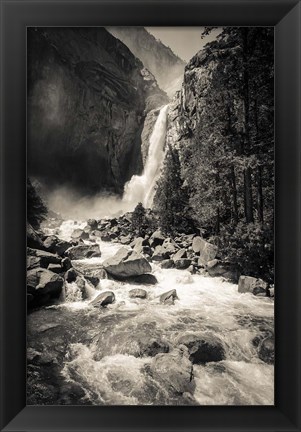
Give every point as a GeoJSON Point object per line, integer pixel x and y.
{"type": "Point", "coordinates": [36, 209]}
{"type": "Point", "coordinates": [171, 198]}
{"type": "Point", "coordinates": [138, 218]}
{"type": "Point", "coordinates": [230, 158]}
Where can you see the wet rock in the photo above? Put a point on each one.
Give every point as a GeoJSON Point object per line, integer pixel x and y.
{"type": "Point", "coordinates": [92, 223]}
{"type": "Point", "coordinates": [253, 285]}
{"type": "Point", "coordinates": [33, 239]}
{"type": "Point", "coordinates": [169, 297]}
{"type": "Point", "coordinates": [41, 258]}
{"type": "Point", "coordinates": [43, 285]}
{"type": "Point", "coordinates": [216, 268]}
{"type": "Point", "coordinates": [167, 264]}
{"type": "Point", "coordinates": [103, 299]}
{"type": "Point", "coordinates": [159, 254]}
{"type": "Point", "coordinates": [66, 263]}
{"type": "Point", "coordinates": [266, 350]}
{"type": "Point", "coordinates": [79, 234]}
{"type": "Point", "coordinates": [126, 263]}
{"type": "Point", "coordinates": [145, 279]}
{"type": "Point", "coordinates": [150, 347]}
{"type": "Point", "coordinates": [138, 293]}
{"type": "Point", "coordinates": [71, 275]}
{"type": "Point", "coordinates": [92, 272]}
{"type": "Point", "coordinates": [55, 268]}
{"type": "Point", "coordinates": [83, 251]}
{"type": "Point", "coordinates": [55, 245]}
{"type": "Point", "coordinates": [175, 370]}
{"type": "Point", "coordinates": [182, 264]}
{"type": "Point", "coordinates": [207, 251]}
{"type": "Point", "coordinates": [202, 348]}
{"type": "Point", "coordinates": [182, 253]}
{"type": "Point", "coordinates": [156, 239]}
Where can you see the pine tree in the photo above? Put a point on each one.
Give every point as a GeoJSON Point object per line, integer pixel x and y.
{"type": "Point", "coordinates": [36, 209]}
{"type": "Point", "coordinates": [138, 219]}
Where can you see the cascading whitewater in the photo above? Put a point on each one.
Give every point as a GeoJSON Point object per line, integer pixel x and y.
{"type": "Point", "coordinates": [142, 188]}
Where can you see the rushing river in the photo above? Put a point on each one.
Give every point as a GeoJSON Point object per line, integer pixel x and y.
{"type": "Point", "coordinates": [99, 351]}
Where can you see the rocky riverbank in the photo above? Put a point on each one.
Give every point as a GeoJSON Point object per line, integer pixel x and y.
{"type": "Point", "coordinates": [101, 297]}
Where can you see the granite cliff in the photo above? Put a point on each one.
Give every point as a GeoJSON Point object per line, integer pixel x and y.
{"type": "Point", "coordinates": [88, 97]}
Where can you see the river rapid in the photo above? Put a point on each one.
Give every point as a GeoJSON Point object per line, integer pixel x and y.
{"type": "Point", "coordinates": [90, 356]}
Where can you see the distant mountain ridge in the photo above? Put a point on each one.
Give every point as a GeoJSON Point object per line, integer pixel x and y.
{"type": "Point", "coordinates": [159, 59]}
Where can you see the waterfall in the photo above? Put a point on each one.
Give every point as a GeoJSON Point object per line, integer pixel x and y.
{"type": "Point", "coordinates": [142, 188]}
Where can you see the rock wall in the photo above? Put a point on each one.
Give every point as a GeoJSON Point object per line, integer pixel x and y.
{"type": "Point", "coordinates": [167, 68]}
{"type": "Point", "coordinates": [88, 97]}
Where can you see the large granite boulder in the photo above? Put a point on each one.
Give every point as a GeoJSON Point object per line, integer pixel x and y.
{"type": "Point", "coordinates": [43, 286]}
{"type": "Point", "coordinates": [93, 272]}
{"type": "Point", "coordinates": [55, 245]}
{"type": "Point", "coordinates": [175, 370]}
{"type": "Point", "coordinates": [156, 239]}
{"type": "Point", "coordinates": [33, 239]}
{"type": "Point", "coordinates": [202, 347]}
{"type": "Point", "coordinates": [79, 234]}
{"type": "Point", "coordinates": [169, 297]}
{"type": "Point", "coordinates": [126, 263]}
{"type": "Point", "coordinates": [103, 299]}
{"type": "Point", "coordinates": [138, 293]}
{"type": "Point", "coordinates": [207, 251]}
{"type": "Point", "coordinates": [83, 251]}
{"type": "Point", "coordinates": [252, 285]}
{"type": "Point", "coordinates": [40, 258]}
{"type": "Point", "coordinates": [216, 268]}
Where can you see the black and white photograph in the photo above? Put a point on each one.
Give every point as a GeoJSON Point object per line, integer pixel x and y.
{"type": "Point", "coordinates": [150, 216]}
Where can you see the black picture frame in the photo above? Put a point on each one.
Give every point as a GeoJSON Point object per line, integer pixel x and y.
{"type": "Point", "coordinates": [284, 15]}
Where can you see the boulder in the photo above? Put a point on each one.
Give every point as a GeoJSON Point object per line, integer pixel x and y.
{"type": "Point", "coordinates": [167, 264]}
{"type": "Point", "coordinates": [182, 264]}
{"type": "Point", "coordinates": [92, 272]}
{"type": "Point", "coordinates": [145, 279]}
{"type": "Point", "coordinates": [159, 254]}
{"type": "Point", "coordinates": [175, 370]}
{"type": "Point", "coordinates": [66, 263]}
{"type": "Point", "coordinates": [126, 263]}
{"type": "Point", "coordinates": [42, 282]}
{"type": "Point", "coordinates": [170, 246]}
{"type": "Point", "coordinates": [79, 234]}
{"type": "Point", "coordinates": [42, 258]}
{"type": "Point", "coordinates": [33, 239]}
{"type": "Point", "coordinates": [103, 299]}
{"type": "Point", "coordinates": [207, 251]}
{"type": "Point", "coordinates": [253, 285]}
{"type": "Point", "coordinates": [150, 346]}
{"type": "Point", "coordinates": [182, 253]}
{"type": "Point", "coordinates": [156, 239]}
{"type": "Point", "coordinates": [70, 275]}
{"type": "Point", "coordinates": [92, 223]}
{"type": "Point", "coordinates": [138, 293]}
{"type": "Point", "coordinates": [169, 297]}
{"type": "Point", "coordinates": [202, 347]}
{"type": "Point", "coordinates": [55, 268]}
{"type": "Point", "coordinates": [83, 251]}
{"type": "Point", "coordinates": [216, 268]}
{"type": "Point", "coordinates": [266, 350]}
{"type": "Point", "coordinates": [125, 240]}
{"type": "Point", "coordinates": [55, 245]}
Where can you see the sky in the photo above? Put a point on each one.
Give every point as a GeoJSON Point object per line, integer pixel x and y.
{"type": "Point", "coordinates": [184, 41]}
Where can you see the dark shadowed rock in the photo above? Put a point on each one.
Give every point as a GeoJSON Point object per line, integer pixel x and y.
{"type": "Point", "coordinates": [182, 264]}
{"type": "Point", "coordinates": [92, 223]}
{"type": "Point", "coordinates": [55, 268]}
{"type": "Point", "coordinates": [70, 275]}
{"type": "Point", "coordinates": [175, 370]}
{"type": "Point", "coordinates": [266, 350]}
{"type": "Point", "coordinates": [149, 346]}
{"type": "Point", "coordinates": [207, 251]}
{"type": "Point", "coordinates": [253, 285]}
{"type": "Point", "coordinates": [157, 238]}
{"type": "Point", "coordinates": [126, 263]}
{"type": "Point", "coordinates": [216, 268]}
{"type": "Point", "coordinates": [66, 263]}
{"type": "Point", "coordinates": [167, 264]}
{"type": "Point", "coordinates": [169, 297]}
{"type": "Point", "coordinates": [103, 299]}
{"type": "Point", "coordinates": [145, 279]}
{"type": "Point", "coordinates": [138, 293]}
{"type": "Point", "coordinates": [83, 251]}
{"type": "Point", "coordinates": [202, 348]}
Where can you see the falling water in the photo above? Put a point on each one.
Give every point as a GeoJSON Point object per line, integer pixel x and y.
{"type": "Point", "coordinates": [142, 188]}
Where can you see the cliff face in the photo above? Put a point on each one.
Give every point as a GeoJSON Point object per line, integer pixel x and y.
{"type": "Point", "coordinates": [167, 68]}
{"type": "Point", "coordinates": [88, 97]}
